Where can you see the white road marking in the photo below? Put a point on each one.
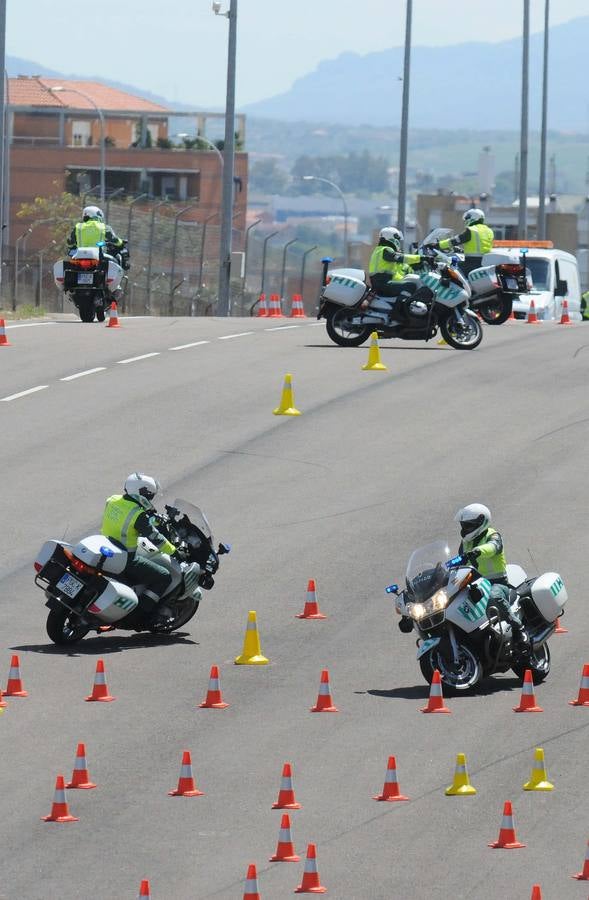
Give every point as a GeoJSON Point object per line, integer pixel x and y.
{"type": "Point", "coordinates": [186, 346]}
{"type": "Point", "coordinates": [226, 337]}
{"type": "Point", "coordinates": [281, 327]}
{"type": "Point", "coordinates": [40, 387]}
{"type": "Point", "coordinates": [123, 362]}
{"type": "Point", "coordinates": [33, 324]}
{"type": "Point", "coordinates": [81, 374]}
{"type": "Point", "coordinates": [313, 324]}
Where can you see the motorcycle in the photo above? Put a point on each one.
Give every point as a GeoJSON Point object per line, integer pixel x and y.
{"type": "Point", "coordinates": [437, 298]}
{"type": "Point", "coordinates": [445, 603]}
{"type": "Point", "coordinates": [92, 279]}
{"type": "Point", "coordinates": [86, 591]}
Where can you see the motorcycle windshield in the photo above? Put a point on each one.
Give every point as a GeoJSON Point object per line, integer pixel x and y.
{"type": "Point", "coordinates": [426, 570]}
{"type": "Point", "coordinates": [437, 234]}
{"type": "Point", "coordinates": [196, 516]}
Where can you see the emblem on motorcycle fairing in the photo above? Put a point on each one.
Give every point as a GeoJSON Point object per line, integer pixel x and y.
{"type": "Point", "coordinates": [472, 612]}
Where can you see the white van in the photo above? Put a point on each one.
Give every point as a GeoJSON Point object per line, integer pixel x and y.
{"type": "Point", "coordinates": [555, 274]}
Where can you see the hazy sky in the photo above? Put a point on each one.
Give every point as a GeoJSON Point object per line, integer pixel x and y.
{"type": "Point", "coordinates": [178, 48]}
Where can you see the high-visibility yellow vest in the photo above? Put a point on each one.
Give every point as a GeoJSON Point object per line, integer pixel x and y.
{"type": "Point", "coordinates": [90, 233]}
{"type": "Point", "coordinates": [378, 264]}
{"type": "Point", "coordinates": [494, 566]}
{"type": "Point", "coordinates": [480, 241]}
{"type": "Point", "coordinates": [118, 521]}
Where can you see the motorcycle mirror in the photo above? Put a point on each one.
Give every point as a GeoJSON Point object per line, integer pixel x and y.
{"type": "Point", "coordinates": [223, 548]}
{"type": "Point", "coordinates": [106, 552]}
{"type": "Point", "coordinates": [392, 589]}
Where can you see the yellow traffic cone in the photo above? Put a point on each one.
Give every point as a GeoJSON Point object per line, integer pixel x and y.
{"type": "Point", "coordinates": [251, 655]}
{"type": "Point", "coordinates": [538, 779]}
{"type": "Point", "coordinates": [287, 407]}
{"type": "Point", "coordinates": [461, 786]}
{"type": "Point", "coordinates": [442, 343]}
{"type": "Point", "coordinates": [374, 364]}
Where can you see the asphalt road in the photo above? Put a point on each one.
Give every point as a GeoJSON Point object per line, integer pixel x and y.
{"type": "Point", "coordinates": [377, 465]}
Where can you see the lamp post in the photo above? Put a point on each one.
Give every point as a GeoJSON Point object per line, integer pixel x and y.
{"type": "Point", "coordinates": [4, 201]}
{"type": "Point", "coordinates": [303, 267]}
{"type": "Point", "coordinates": [341, 193]}
{"type": "Point", "coordinates": [206, 141]}
{"type": "Point", "coordinates": [283, 270]}
{"type": "Point", "coordinates": [541, 224]}
{"type": "Point", "coordinates": [59, 89]}
{"type": "Point", "coordinates": [265, 246]}
{"type": "Point", "coordinates": [522, 224]}
{"type": "Point", "coordinates": [228, 161]}
{"type": "Point", "coordinates": [402, 191]}
{"type": "Point", "coordinates": [246, 248]}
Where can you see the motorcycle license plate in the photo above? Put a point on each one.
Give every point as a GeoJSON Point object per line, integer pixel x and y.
{"type": "Point", "coordinates": [426, 646]}
{"type": "Point", "coordinates": [85, 278]}
{"type": "Point", "coordinates": [69, 585]}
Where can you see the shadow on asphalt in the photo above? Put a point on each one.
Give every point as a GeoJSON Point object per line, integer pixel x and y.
{"type": "Point", "coordinates": [364, 347]}
{"type": "Point", "coordinates": [419, 692]}
{"type": "Point", "coordinates": [104, 644]}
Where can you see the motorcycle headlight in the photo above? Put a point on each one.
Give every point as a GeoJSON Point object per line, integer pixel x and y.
{"type": "Point", "coordinates": [435, 604]}
{"type": "Point", "coordinates": [416, 610]}
{"type": "Point", "coordinates": [439, 601]}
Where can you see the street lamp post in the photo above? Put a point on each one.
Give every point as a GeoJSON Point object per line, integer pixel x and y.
{"type": "Point", "coordinates": [522, 224]}
{"type": "Point", "coordinates": [341, 193]}
{"type": "Point", "coordinates": [246, 248]}
{"type": "Point", "coordinates": [541, 225]}
{"type": "Point", "coordinates": [60, 88]}
{"type": "Point", "coordinates": [4, 201]}
{"type": "Point", "coordinates": [264, 250]}
{"type": "Point", "coordinates": [303, 267]}
{"type": "Point", "coordinates": [283, 271]}
{"type": "Point", "coordinates": [402, 191]}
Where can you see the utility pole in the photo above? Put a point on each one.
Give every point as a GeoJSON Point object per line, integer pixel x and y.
{"type": "Point", "coordinates": [402, 192]}
{"type": "Point", "coordinates": [541, 227]}
{"type": "Point", "coordinates": [522, 225]}
{"type": "Point", "coordinates": [4, 200]}
{"type": "Point", "coordinates": [228, 167]}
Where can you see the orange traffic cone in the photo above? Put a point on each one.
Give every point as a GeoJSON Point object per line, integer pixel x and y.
{"type": "Point", "coordinates": [59, 810]}
{"type": "Point", "coordinates": [213, 699]}
{"type": "Point", "coordinates": [251, 884]}
{"type": "Point", "coordinates": [262, 308]}
{"type": "Point", "coordinates": [4, 342]}
{"type": "Point", "coordinates": [113, 318]}
{"type": "Point", "coordinates": [100, 690]}
{"type": "Point", "coordinates": [583, 697]}
{"type": "Point", "coordinates": [560, 629]}
{"type": "Point", "coordinates": [584, 875]}
{"type": "Point", "coordinates": [528, 702]}
{"type": "Point", "coordinates": [391, 791]}
{"type": "Point", "coordinates": [507, 839]}
{"type": "Point", "coordinates": [564, 316]}
{"type": "Point", "coordinates": [80, 776]}
{"type": "Point", "coordinates": [435, 703]}
{"type": "Point", "coordinates": [311, 610]}
{"type": "Point", "coordinates": [511, 316]}
{"type": "Point", "coordinates": [286, 794]}
{"type": "Point", "coordinates": [324, 701]}
{"type": "Point", "coordinates": [14, 687]}
{"type": "Point", "coordinates": [275, 310]}
{"type": "Point", "coordinates": [285, 851]}
{"type": "Point", "coordinates": [536, 892]}
{"type": "Point", "coordinates": [3, 703]}
{"type": "Point", "coordinates": [186, 784]}
{"type": "Point", "coordinates": [532, 318]}
{"type": "Point", "coordinates": [311, 883]}
{"type": "Point", "coordinates": [144, 892]}
{"type": "Point", "coordinates": [297, 310]}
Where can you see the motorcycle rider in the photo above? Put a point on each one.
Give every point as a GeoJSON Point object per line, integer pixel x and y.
{"type": "Point", "coordinates": [389, 265]}
{"type": "Point", "coordinates": [476, 240]}
{"type": "Point", "coordinates": [93, 230]}
{"type": "Point", "coordinates": [127, 517]}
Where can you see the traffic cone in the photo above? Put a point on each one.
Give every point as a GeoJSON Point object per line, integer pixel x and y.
{"type": "Point", "coordinates": [287, 407]}
{"type": "Point", "coordinates": [286, 794]}
{"type": "Point", "coordinates": [275, 311]}
{"type": "Point", "coordinates": [441, 342]}
{"type": "Point", "coordinates": [213, 699]}
{"type": "Point", "coordinates": [310, 883]}
{"type": "Point", "coordinates": [251, 655]}
{"type": "Point", "coordinates": [538, 779]}
{"type": "Point", "coordinates": [560, 629]}
{"type": "Point", "coordinates": [507, 839]}
{"type": "Point", "coordinates": [59, 809]}
{"type": "Point", "coordinates": [324, 701]}
{"type": "Point", "coordinates": [285, 851]}
{"type": "Point", "coordinates": [511, 316]}
{"type": "Point", "coordinates": [461, 786]}
{"type": "Point", "coordinates": [186, 784]}
{"type": "Point", "coordinates": [564, 316]}
{"type": "Point", "coordinates": [583, 697]}
{"type": "Point", "coordinates": [251, 884]}
{"type": "Point", "coordinates": [3, 703]}
{"type": "Point", "coordinates": [4, 342]}
{"type": "Point", "coordinates": [311, 610]}
{"type": "Point", "coordinates": [536, 892]}
{"type": "Point", "coordinates": [297, 310]}
{"type": "Point", "coordinates": [113, 316]}
{"type": "Point", "coordinates": [262, 308]}
{"type": "Point", "coordinates": [80, 776]}
{"type": "Point", "coordinates": [391, 790]}
{"type": "Point", "coordinates": [435, 703]}
{"type": "Point", "coordinates": [14, 687]}
{"type": "Point", "coordinates": [374, 364]}
{"type": "Point", "coordinates": [144, 892]}
{"type": "Point", "coordinates": [100, 690]}
{"type": "Point", "coordinates": [584, 875]}
{"type": "Point", "coordinates": [532, 318]}
{"type": "Point", "coordinates": [528, 702]}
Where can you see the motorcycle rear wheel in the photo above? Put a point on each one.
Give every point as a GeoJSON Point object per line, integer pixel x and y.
{"type": "Point", "coordinates": [339, 330]}
{"type": "Point", "coordinates": [539, 663]}
{"type": "Point", "coordinates": [183, 611]}
{"type": "Point", "coordinates": [86, 309]}
{"type": "Point", "coordinates": [458, 336]}
{"type": "Point", "coordinates": [463, 678]}
{"type": "Point", "coordinates": [496, 311]}
{"type": "Point", "coordinates": [65, 628]}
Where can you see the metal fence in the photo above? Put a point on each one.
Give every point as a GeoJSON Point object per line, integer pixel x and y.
{"type": "Point", "coordinates": [174, 265]}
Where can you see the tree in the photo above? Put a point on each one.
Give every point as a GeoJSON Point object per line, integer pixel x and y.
{"type": "Point", "coordinates": [359, 173]}
{"type": "Point", "coordinates": [61, 210]}
{"type": "Point", "coordinates": [268, 177]}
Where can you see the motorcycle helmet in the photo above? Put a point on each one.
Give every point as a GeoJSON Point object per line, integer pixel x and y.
{"type": "Point", "coordinates": [93, 212]}
{"type": "Point", "coordinates": [474, 216]}
{"type": "Point", "coordinates": [142, 488]}
{"type": "Point", "coordinates": [474, 519]}
{"type": "Point", "coordinates": [393, 236]}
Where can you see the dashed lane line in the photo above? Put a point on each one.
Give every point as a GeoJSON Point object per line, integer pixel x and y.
{"type": "Point", "coordinates": [186, 346]}
{"type": "Point", "coordinates": [40, 387]}
{"type": "Point", "coordinates": [82, 374]}
{"type": "Point", "coordinates": [227, 337]}
{"type": "Point", "coordinates": [281, 327]}
{"type": "Point", "coordinates": [123, 362]}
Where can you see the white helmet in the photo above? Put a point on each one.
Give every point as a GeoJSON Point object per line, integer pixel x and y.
{"type": "Point", "coordinates": [473, 216]}
{"type": "Point", "coordinates": [474, 519]}
{"type": "Point", "coordinates": [392, 236]}
{"type": "Point", "coordinates": [93, 212]}
{"type": "Point", "coordinates": [142, 488]}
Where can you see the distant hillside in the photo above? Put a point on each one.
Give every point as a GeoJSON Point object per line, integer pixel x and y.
{"type": "Point", "coordinates": [472, 85]}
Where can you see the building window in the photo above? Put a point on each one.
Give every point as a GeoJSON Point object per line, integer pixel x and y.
{"type": "Point", "coordinates": [81, 131]}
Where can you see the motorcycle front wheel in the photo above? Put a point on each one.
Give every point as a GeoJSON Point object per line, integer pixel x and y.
{"type": "Point", "coordinates": [461, 677]}
{"type": "Point", "coordinates": [462, 337]}
{"type": "Point", "coordinates": [65, 628]}
{"type": "Point", "coordinates": [538, 662]}
{"type": "Point", "coordinates": [496, 311]}
{"type": "Point", "coordinates": [342, 332]}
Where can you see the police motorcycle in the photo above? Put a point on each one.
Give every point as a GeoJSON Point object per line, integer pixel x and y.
{"type": "Point", "coordinates": [436, 298]}
{"type": "Point", "coordinates": [92, 278]}
{"type": "Point", "coordinates": [85, 590]}
{"type": "Point", "coordinates": [445, 602]}
{"type": "Point", "coordinates": [495, 287]}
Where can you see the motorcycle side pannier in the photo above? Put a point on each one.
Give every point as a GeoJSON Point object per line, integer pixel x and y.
{"type": "Point", "coordinates": [114, 602]}
{"type": "Point", "coordinates": [345, 290]}
{"type": "Point", "coordinates": [549, 595]}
